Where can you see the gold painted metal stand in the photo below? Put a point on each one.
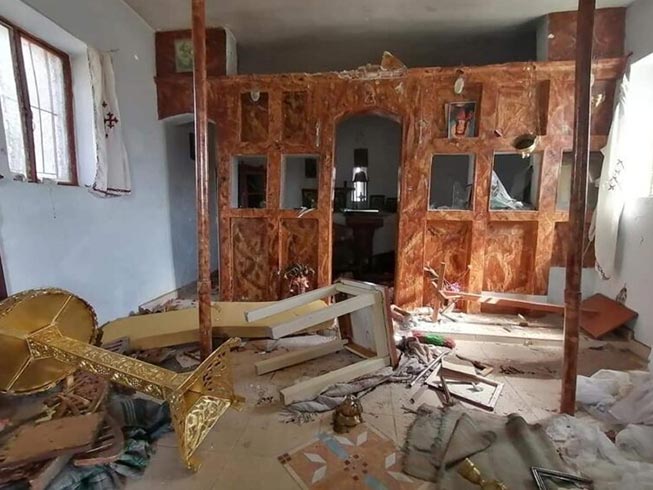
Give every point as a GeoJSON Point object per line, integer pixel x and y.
{"type": "Point", "coordinates": [45, 335]}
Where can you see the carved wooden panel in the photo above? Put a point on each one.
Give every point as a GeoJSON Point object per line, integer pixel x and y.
{"type": "Point", "coordinates": [506, 251]}
{"type": "Point", "coordinates": [298, 244]}
{"type": "Point", "coordinates": [509, 257]}
{"type": "Point", "coordinates": [448, 242]}
{"type": "Point", "coordinates": [254, 117]}
{"type": "Point", "coordinates": [251, 261]}
{"type": "Point", "coordinates": [609, 34]}
{"type": "Point", "coordinates": [296, 121]}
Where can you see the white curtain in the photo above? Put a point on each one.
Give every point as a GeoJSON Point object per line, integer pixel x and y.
{"type": "Point", "coordinates": [112, 176]}
{"type": "Point", "coordinates": [613, 187]}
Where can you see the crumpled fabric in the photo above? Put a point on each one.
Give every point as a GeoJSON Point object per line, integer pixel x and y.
{"type": "Point", "coordinates": [144, 421]}
{"type": "Point", "coordinates": [583, 445]}
{"type": "Point", "coordinates": [334, 395]}
{"type": "Point", "coordinates": [617, 397]}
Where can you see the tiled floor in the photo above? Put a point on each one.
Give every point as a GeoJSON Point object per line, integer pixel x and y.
{"type": "Point", "coordinates": [241, 451]}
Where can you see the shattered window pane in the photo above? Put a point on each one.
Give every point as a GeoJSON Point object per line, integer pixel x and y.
{"type": "Point", "coordinates": [11, 118]}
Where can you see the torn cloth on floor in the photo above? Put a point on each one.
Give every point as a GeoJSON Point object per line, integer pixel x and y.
{"type": "Point", "coordinates": [335, 395]}
{"type": "Point", "coordinates": [144, 421]}
{"type": "Point", "coordinates": [502, 448]}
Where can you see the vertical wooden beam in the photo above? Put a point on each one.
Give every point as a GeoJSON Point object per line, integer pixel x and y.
{"type": "Point", "coordinates": [3, 283]}
{"type": "Point", "coordinates": [584, 40]}
{"type": "Point", "coordinates": [202, 176]}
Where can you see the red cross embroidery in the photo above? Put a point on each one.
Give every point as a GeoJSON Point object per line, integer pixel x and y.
{"type": "Point", "coordinates": [110, 120]}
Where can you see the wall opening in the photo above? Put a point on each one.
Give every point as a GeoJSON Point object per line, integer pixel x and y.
{"type": "Point", "coordinates": [452, 182]}
{"type": "Point", "coordinates": [299, 181]}
{"type": "Point", "coordinates": [365, 222]}
{"type": "Point", "coordinates": [515, 182]}
{"type": "Point", "coordinates": [249, 177]}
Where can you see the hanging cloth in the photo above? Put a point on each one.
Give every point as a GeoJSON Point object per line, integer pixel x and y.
{"type": "Point", "coordinates": [112, 176]}
{"type": "Point", "coordinates": [612, 189]}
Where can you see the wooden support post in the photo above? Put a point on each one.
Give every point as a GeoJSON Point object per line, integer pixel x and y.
{"type": "Point", "coordinates": [3, 284]}
{"type": "Point", "coordinates": [440, 288]}
{"type": "Point", "coordinates": [584, 40]}
{"type": "Point", "coordinates": [202, 177]}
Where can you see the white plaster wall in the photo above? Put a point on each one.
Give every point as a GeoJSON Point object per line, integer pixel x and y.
{"type": "Point", "coordinates": [116, 253]}
{"type": "Point", "coordinates": [639, 35]}
{"type": "Point", "coordinates": [634, 257]}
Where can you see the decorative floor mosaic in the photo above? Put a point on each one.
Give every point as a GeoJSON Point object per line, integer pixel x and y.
{"type": "Point", "coordinates": [362, 459]}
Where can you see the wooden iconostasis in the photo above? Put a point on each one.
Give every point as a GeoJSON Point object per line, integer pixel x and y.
{"type": "Point", "coordinates": [264, 122]}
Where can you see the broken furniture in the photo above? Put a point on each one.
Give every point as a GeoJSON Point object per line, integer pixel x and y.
{"type": "Point", "coordinates": [178, 327]}
{"type": "Point", "coordinates": [463, 383]}
{"type": "Point", "coordinates": [47, 334]}
{"type": "Point", "coordinates": [58, 437]}
{"type": "Point", "coordinates": [370, 336]}
{"type": "Point", "coordinates": [601, 315]}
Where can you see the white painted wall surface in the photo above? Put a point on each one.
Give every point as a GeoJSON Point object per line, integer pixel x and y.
{"type": "Point", "coordinates": [634, 258]}
{"type": "Point", "coordinates": [639, 35]}
{"type": "Point", "coordinates": [116, 253]}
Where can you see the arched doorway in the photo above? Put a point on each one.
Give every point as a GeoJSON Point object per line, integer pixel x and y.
{"type": "Point", "coordinates": [365, 221]}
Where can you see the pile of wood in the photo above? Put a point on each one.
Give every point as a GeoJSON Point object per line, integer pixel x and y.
{"type": "Point", "coordinates": [71, 426]}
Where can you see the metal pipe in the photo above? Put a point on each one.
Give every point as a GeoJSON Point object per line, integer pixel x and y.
{"type": "Point", "coordinates": [202, 177]}
{"type": "Point", "coordinates": [584, 41]}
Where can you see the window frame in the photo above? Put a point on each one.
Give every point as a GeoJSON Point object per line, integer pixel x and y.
{"type": "Point", "coordinates": [15, 36]}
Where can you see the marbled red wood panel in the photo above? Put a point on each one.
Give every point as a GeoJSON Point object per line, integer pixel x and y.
{"type": "Point", "coordinates": [296, 119]}
{"type": "Point", "coordinates": [603, 93]}
{"type": "Point", "coordinates": [216, 54]}
{"type": "Point", "coordinates": [561, 107]}
{"type": "Point", "coordinates": [250, 254]}
{"type": "Point", "coordinates": [509, 253]}
{"type": "Point", "coordinates": [254, 118]}
{"type": "Point", "coordinates": [561, 245]}
{"type": "Point", "coordinates": [298, 245]}
{"type": "Point", "coordinates": [609, 34]}
{"type": "Point", "coordinates": [516, 112]}
{"type": "Point", "coordinates": [414, 99]}
{"type": "Point", "coordinates": [174, 97]}
{"type": "Point", "coordinates": [448, 242]}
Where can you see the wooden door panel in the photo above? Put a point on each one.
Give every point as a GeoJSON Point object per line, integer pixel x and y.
{"type": "Point", "coordinates": [251, 244]}
{"type": "Point", "coordinates": [299, 245]}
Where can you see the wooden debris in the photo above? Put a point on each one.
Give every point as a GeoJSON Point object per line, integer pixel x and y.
{"type": "Point", "coordinates": [107, 448]}
{"type": "Point", "coordinates": [179, 327]}
{"type": "Point", "coordinates": [69, 435]}
{"type": "Point", "coordinates": [371, 332]}
{"type": "Point", "coordinates": [602, 315]}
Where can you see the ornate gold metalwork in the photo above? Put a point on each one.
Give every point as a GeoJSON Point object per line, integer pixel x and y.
{"type": "Point", "coordinates": [197, 400]}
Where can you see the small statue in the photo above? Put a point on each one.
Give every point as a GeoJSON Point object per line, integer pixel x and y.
{"type": "Point", "coordinates": [348, 415]}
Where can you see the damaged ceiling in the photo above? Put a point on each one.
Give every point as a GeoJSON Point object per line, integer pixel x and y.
{"type": "Point", "coordinates": [285, 35]}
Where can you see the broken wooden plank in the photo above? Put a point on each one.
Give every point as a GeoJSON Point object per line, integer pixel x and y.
{"type": "Point", "coordinates": [484, 393]}
{"type": "Point", "coordinates": [323, 315]}
{"type": "Point", "coordinates": [37, 442]}
{"type": "Point", "coordinates": [276, 307]}
{"type": "Point", "coordinates": [297, 357]}
{"type": "Point", "coordinates": [606, 315]}
{"type": "Point", "coordinates": [500, 301]}
{"type": "Point", "coordinates": [178, 327]}
{"type": "Point", "coordinates": [307, 390]}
